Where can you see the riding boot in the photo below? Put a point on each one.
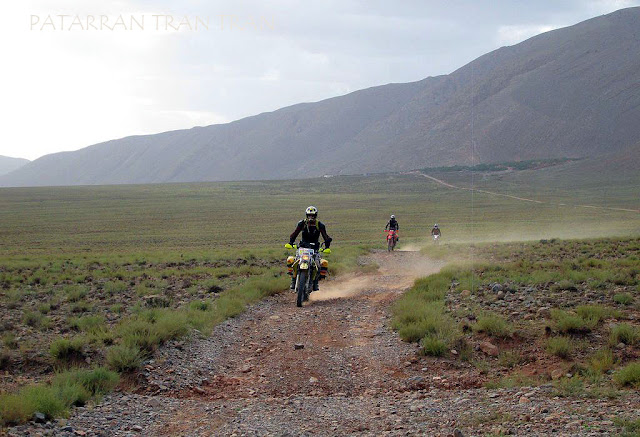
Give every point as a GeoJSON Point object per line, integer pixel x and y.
{"type": "Point", "coordinates": [316, 287]}
{"type": "Point", "coordinates": [293, 283]}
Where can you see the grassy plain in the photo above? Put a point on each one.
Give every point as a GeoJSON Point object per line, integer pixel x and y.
{"type": "Point", "coordinates": [201, 218]}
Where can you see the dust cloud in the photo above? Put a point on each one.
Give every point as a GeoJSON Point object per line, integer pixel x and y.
{"type": "Point", "coordinates": [397, 272]}
{"type": "Point", "coordinates": [343, 287]}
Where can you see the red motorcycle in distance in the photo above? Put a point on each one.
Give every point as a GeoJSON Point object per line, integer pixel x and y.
{"type": "Point", "coordinates": [392, 239]}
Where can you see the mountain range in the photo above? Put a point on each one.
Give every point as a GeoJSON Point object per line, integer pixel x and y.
{"type": "Point", "coordinates": [8, 164]}
{"type": "Point", "coordinates": [572, 92]}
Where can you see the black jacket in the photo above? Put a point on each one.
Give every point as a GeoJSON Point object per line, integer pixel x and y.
{"type": "Point", "coordinates": [393, 225]}
{"type": "Point", "coordinates": [310, 235]}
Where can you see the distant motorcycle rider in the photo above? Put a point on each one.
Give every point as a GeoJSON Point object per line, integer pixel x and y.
{"type": "Point", "coordinates": [392, 224]}
{"type": "Point", "coordinates": [311, 229]}
{"type": "Point", "coordinates": [435, 231]}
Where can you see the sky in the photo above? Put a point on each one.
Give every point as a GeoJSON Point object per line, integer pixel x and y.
{"type": "Point", "coordinates": [80, 72]}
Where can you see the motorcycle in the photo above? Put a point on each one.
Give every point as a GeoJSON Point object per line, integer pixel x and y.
{"type": "Point", "coordinates": [392, 239]}
{"type": "Point", "coordinates": [306, 266]}
{"type": "Point", "coordinates": [436, 238]}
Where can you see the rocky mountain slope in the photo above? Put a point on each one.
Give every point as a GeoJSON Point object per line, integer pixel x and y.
{"type": "Point", "coordinates": [571, 92]}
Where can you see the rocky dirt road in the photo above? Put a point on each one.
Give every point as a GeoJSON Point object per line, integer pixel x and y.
{"type": "Point", "coordinates": [333, 367]}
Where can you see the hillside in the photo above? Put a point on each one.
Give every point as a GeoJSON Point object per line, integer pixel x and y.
{"type": "Point", "coordinates": [607, 171]}
{"type": "Point", "coordinates": [571, 92]}
{"type": "Point", "coordinates": [8, 164]}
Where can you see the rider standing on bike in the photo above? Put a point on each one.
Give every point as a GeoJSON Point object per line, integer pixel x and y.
{"type": "Point", "coordinates": [435, 231]}
{"type": "Point", "coordinates": [311, 229]}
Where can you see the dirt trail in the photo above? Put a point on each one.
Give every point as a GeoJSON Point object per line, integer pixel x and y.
{"type": "Point", "coordinates": [524, 199]}
{"type": "Point", "coordinates": [348, 348]}
{"type": "Point", "coordinates": [333, 367]}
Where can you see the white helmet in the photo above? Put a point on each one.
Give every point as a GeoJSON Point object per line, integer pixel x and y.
{"type": "Point", "coordinates": [393, 216]}
{"type": "Point", "coordinates": [435, 226]}
{"type": "Point", "coordinates": [312, 210]}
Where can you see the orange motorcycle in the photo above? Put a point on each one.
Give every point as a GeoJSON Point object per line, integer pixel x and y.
{"type": "Point", "coordinates": [392, 239]}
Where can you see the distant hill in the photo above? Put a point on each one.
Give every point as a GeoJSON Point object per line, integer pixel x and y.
{"type": "Point", "coordinates": [571, 92]}
{"type": "Point", "coordinates": [603, 172]}
{"type": "Point", "coordinates": [8, 164]}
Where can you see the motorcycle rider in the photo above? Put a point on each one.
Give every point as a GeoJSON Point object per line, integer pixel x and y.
{"type": "Point", "coordinates": [435, 231]}
{"type": "Point", "coordinates": [311, 229]}
{"type": "Point", "coordinates": [392, 224]}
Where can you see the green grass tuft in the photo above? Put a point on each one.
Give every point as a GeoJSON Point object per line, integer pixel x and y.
{"type": "Point", "coordinates": [97, 381]}
{"type": "Point", "coordinates": [75, 293]}
{"type": "Point", "coordinates": [631, 427]}
{"type": "Point", "coordinates": [87, 323]}
{"type": "Point", "coordinates": [114, 287]}
{"type": "Point", "coordinates": [629, 376]}
{"type": "Point", "coordinates": [602, 361]}
{"type": "Point", "coordinates": [64, 349]}
{"type": "Point", "coordinates": [124, 358]}
{"type": "Point", "coordinates": [74, 387]}
{"type": "Point", "coordinates": [494, 325]}
{"type": "Point", "coordinates": [80, 306]}
{"type": "Point", "coordinates": [566, 322]}
{"type": "Point", "coordinates": [623, 298]}
{"type": "Point", "coordinates": [434, 346]}
{"type": "Point", "coordinates": [564, 284]}
{"type": "Point", "coordinates": [419, 315]}
{"type": "Point", "coordinates": [624, 333]}
{"type": "Point", "coordinates": [559, 346]}
{"type": "Point", "coordinates": [35, 320]}
{"type": "Point", "coordinates": [510, 359]}
{"type": "Point", "coordinates": [9, 340]}
{"type": "Point", "coordinates": [596, 313]}
{"type": "Point", "coordinates": [569, 387]}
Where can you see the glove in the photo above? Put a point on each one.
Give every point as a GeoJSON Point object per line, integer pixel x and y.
{"type": "Point", "coordinates": [326, 250]}
{"type": "Point", "coordinates": [288, 246]}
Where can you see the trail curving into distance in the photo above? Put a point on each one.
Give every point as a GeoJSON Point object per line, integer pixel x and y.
{"type": "Point", "coordinates": [524, 199]}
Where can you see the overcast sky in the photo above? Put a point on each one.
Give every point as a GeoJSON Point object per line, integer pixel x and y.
{"type": "Point", "coordinates": [113, 69]}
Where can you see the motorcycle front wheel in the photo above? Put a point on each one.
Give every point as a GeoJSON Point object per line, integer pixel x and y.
{"type": "Point", "coordinates": [301, 286]}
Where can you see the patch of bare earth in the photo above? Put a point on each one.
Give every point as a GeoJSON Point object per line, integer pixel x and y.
{"type": "Point", "coordinates": [333, 367]}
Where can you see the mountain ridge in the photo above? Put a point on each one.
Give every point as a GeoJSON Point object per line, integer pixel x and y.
{"type": "Point", "coordinates": [9, 164]}
{"type": "Point", "coordinates": [570, 92]}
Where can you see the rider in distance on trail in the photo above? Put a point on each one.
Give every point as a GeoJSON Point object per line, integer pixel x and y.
{"type": "Point", "coordinates": [392, 224]}
{"type": "Point", "coordinates": [435, 232]}
{"type": "Point", "coordinates": [392, 233]}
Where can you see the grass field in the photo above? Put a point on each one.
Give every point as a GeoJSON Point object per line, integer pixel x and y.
{"type": "Point", "coordinates": [201, 218]}
{"type": "Point", "coordinates": [104, 275]}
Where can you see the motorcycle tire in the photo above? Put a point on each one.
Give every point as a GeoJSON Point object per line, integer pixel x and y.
{"type": "Point", "coordinates": [301, 287]}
